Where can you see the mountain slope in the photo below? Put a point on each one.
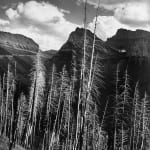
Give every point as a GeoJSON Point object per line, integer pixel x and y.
{"type": "Point", "coordinates": [17, 44]}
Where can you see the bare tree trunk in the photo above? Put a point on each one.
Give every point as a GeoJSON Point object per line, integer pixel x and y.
{"type": "Point", "coordinates": [7, 100]}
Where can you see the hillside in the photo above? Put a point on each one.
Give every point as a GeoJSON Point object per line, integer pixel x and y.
{"type": "Point", "coordinates": [17, 43]}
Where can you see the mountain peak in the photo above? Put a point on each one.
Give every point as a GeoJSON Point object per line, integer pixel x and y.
{"type": "Point", "coordinates": [79, 34]}
{"type": "Point", "coordinates": [76, 39]}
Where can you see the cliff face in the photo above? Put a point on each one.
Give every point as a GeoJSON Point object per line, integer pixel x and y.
{"type": "Point", "coordinates": [135, 43]}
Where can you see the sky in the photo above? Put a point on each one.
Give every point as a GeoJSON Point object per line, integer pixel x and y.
{"type": "Point", "coordinates": [49, 22]}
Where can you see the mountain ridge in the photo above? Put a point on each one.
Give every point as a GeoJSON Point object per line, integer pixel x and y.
{"type": "Point", "coordinates": [135, 43]}
{"type": "Point", "coordinates": [17, 42]}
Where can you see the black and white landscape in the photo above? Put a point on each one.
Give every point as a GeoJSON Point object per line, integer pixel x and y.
{"type": "Point", "coordinates": [75, 75]}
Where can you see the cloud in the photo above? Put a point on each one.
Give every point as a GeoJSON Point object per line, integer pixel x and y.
{"type": "Point", "coordinates": [39, 12]}
{"type": "Point", "coordinates": [108, 2]}
{"type": "Point", "coordinates": [65, 11]}
{"type": "Point", "coordinates": [133, 13]}
{"type": "Point", "coordinates": [107, 26]}
{"type": "Point", "coordinates": [3, 22]}
{"type": "Point", "coordinates": [130, 12]}
{"type": "Point", "coordinates": [42, 21]}
{"type": "Point", "coordinates": [11, 13]}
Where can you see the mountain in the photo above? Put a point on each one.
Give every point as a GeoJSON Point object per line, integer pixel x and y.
{"type": "Point", "coordinates": [125, 44]}
{"type": "Point", "coordinates": [135, 43]}
{"type": "Point", "coordinates": [76, 40]}
{"type": "Point", "coordinates": [73, 49]}
{"type": "Point", "coordinates": [17, 44]}
{"type": "Point", "coordinates": [20, 51]}
{"type": "Point", "coordinates": [48, 54]}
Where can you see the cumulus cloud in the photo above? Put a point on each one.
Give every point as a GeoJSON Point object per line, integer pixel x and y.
{"type": "Point", "coordinates": [42, 21]}
{"type": "Point", "coordinates": [107, 26]}
{"type": "Point", "coordinates": [11, 13]}
{"type": "Point", "coordinates": [133, 13]}
{"type": "Point", "coordinates": [39, 12]}
{"type": "Point", "coordinates": [130, 12]}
